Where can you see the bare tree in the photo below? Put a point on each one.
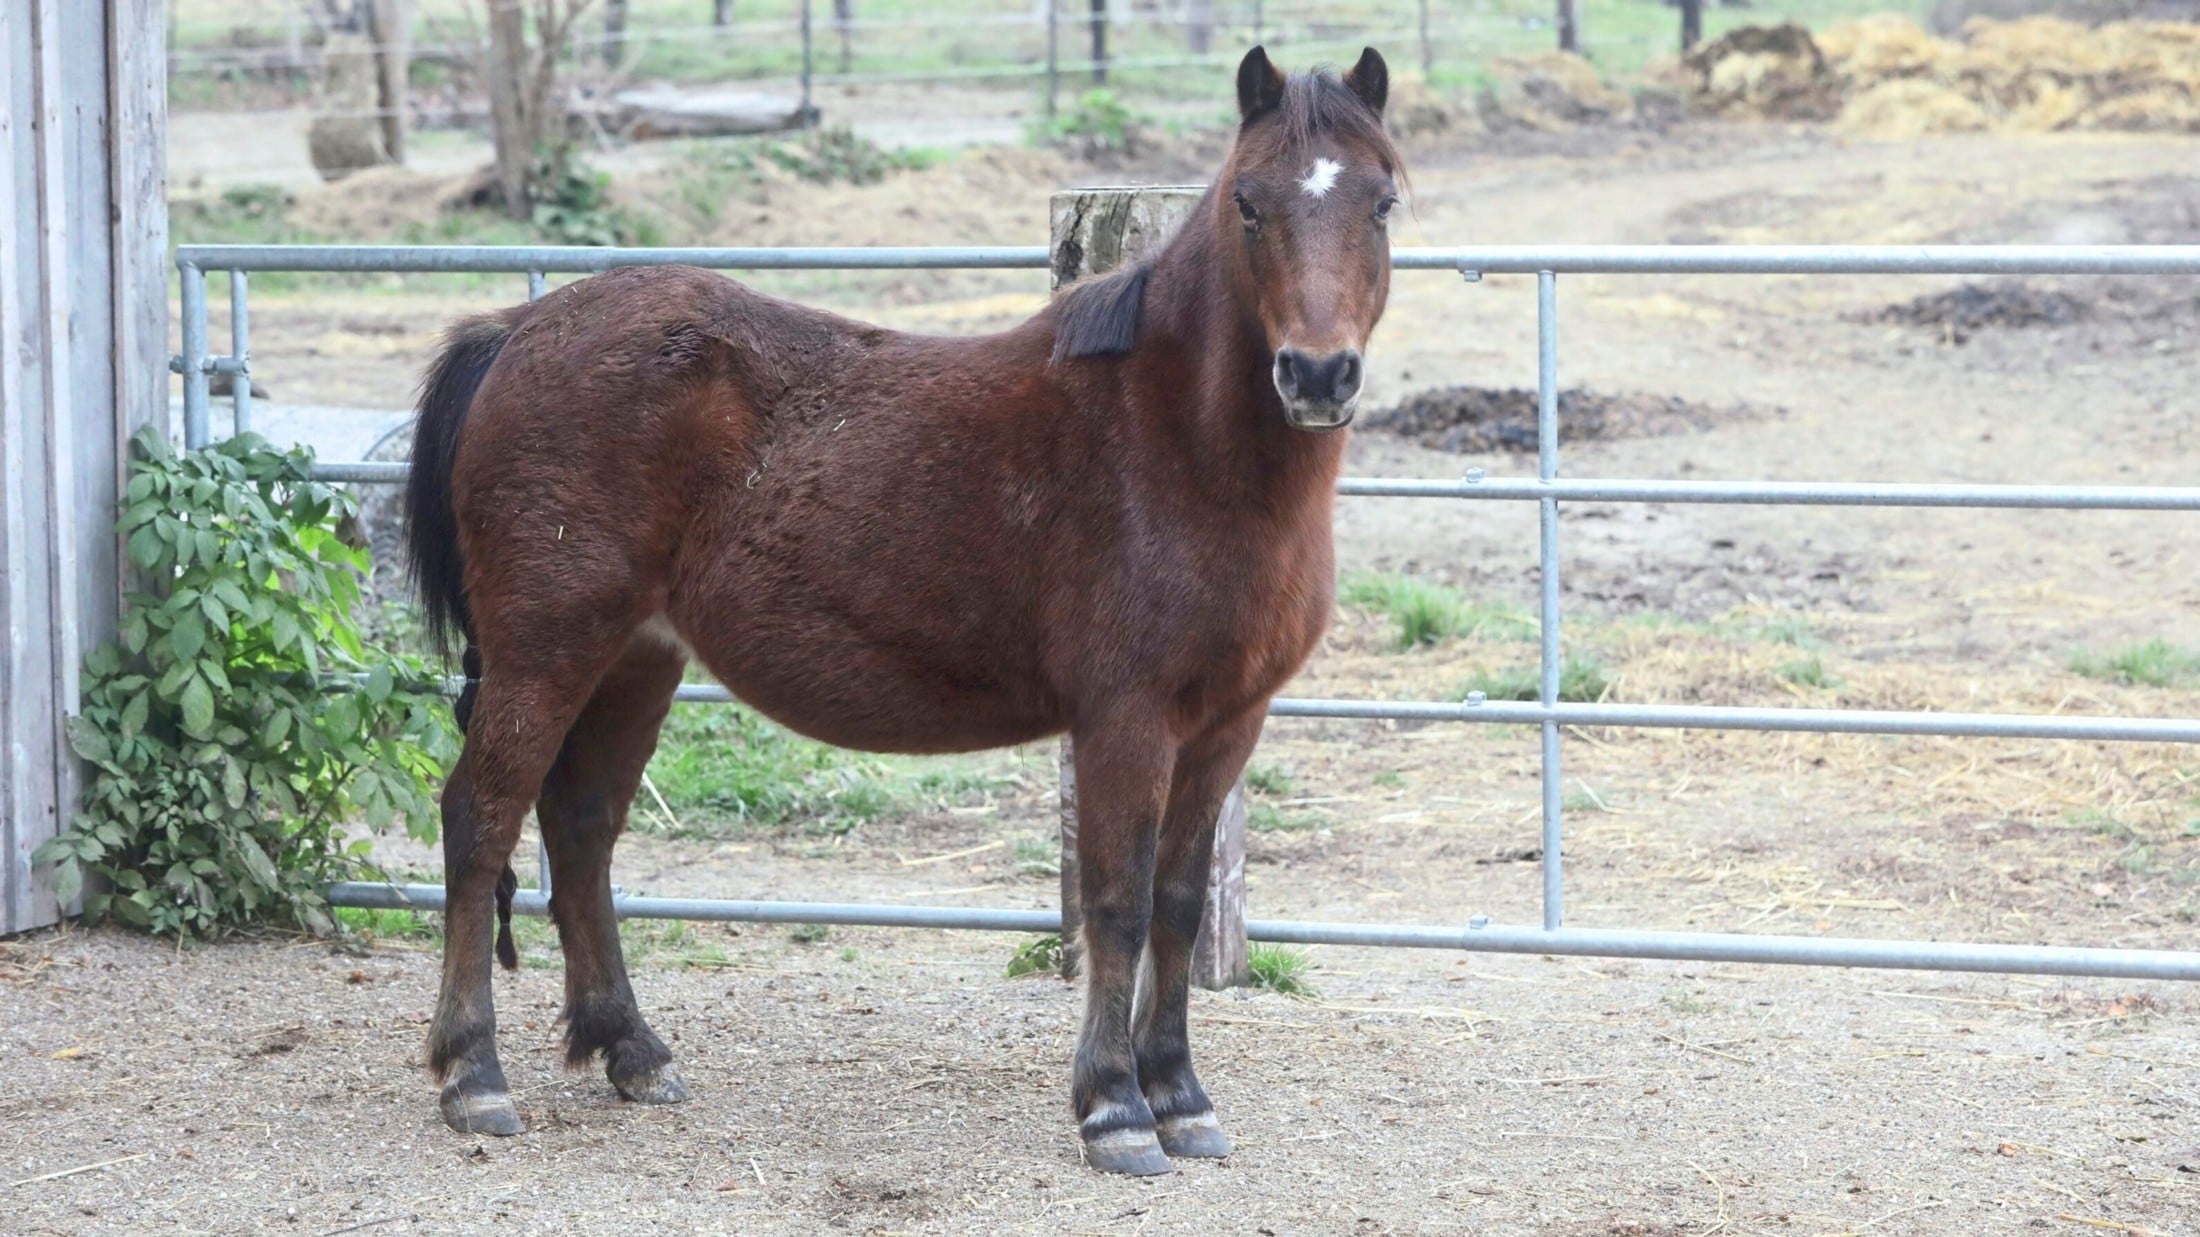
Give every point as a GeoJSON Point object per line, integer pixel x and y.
{"type": "Point", "coordinates": [1569, 37]}
{"type": "Point", "coordinates": [526, 111]}
{"type": "Point", "coordinates": [1099, 42]}
{"type": "Point", "coordinates": [391, 24]}
{"type": "Point", "coordinates": [614, 31]}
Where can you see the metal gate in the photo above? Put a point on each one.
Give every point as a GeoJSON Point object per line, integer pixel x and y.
{"type": "Point", "coordinates": [1547, 489]}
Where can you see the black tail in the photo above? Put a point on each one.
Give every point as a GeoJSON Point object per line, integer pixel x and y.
{"type": "Point", "coordinates": [431, 527]}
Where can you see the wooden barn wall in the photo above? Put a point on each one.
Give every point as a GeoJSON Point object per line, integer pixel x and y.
{"type": "Point", "coordinates": [83, 321]}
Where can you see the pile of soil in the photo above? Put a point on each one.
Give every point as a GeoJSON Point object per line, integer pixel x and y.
{"type": "Point", "coordinates": [1485, 420]}
{"type": "Point", "coordinates": [1959, 311]}
{"type": "Point", "coordinates": [1547, 91]}
{"type": "Point", "coordinates": [1886, 76]}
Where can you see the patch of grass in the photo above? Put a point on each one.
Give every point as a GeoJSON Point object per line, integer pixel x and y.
{"type": "Point", "coordinates": [372, 925]}
{"type": "Point", "coordinates": [1390, 779]}
{"type": "Point", "coordinates": [2155, 663]}
{"type": "Point", "coordinates": [848, 954]}
{"type": "Point", "coordinates": [671, 943]}
{"type": "Point", "coordinates": [1427, 613]}
{"type": "Point", "coordinates": [1268, 818]}
{"type": "Point", "coordinates": [1269, 780]}
{"type": "Point", "coordinates": [726, 766]}
{"type": "Point", "coordinates": [1581, 680]}
{"type": "Point", "coordinates": [714, 172]}
{"type": "Point", "coordinates": [1096, 122]}
{"type": "Point", "coordinates": [1806, 672]}
{"type": "Point", "coordinates": [809, 933]}
{"type": "Point", "coordinates": [1041, 955]}
{"type": "Point", "coordinates": [1279, 968]}
{"type": "Point", "coordinates": [1037, 855]}
{"type": "Point", "coordinates": [1789, 629]}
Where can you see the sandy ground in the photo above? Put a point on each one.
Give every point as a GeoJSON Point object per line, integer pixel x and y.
{"type": "Point", "coordinates": [887, 1082]}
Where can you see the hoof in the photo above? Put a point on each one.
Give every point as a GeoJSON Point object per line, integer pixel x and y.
{"type": "Point", "coordinates": [662, 1085]}
{"type": "Point", "coordinates": [491, 1113]}
{"type": "Point", "coordinates": [1134, 1153]}
{"type": "Point", "coordinates": [1198, 1137]}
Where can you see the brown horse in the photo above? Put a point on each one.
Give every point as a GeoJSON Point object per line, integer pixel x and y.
{"type": "Point", "coordinates": [1112, 520]}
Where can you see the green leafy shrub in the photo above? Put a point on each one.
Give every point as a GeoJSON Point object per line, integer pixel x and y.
{"type": "Point", "coordinates": [573, 207]}
{"type": "Point", "coordinates": [223, 773]}
{"type": "Point", "coordinates": [1097, 122]}
{"type": "Point", "coordinates": [1280, 968]}
{"type": "Point", "coordinates": [1041, 955]}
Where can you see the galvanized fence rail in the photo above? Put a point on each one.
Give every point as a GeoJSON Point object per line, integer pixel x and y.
{"type": "Point", "coordinates": [1546, 489]}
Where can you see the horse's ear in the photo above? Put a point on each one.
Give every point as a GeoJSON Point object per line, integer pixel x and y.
{"type": "Point", "coordinates": [1259, 84]}
{"type": "Point", "coordinates": [1369, 79]}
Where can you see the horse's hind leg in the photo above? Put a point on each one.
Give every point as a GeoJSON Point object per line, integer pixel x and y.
{"type": "Point", "coordinates": [534, 684]}
{"type": "Point", "coordinates": [1184, 1120]}
{"type": "Point", "coordinates": [583, 810]}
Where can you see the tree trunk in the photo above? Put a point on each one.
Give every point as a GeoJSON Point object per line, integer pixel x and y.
{"type": "Point", "coordinates": [1199, 25]}
{"type": "Point", "coordinates": [392, 31]}
{"type": "Point", "coordinates": [844, 17]}
{"type": "Point", "coordinates": [721, 12]}
{"type": "Point", "coordinates": [515, 142]}
{"type": "Point", "coordinates": [1099, 42]}
{"type": "Point", "coordinates": [1569, 38]}
{"type": "Point", "coordinates": [1428, 50]}
{"type": "Point", "coordinates": [614, 31]}
{"type": "Point", "coordinates": [1691, 24]}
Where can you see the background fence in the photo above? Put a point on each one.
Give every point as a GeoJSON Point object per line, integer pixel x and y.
{"type": "Point", "coordinates": [1547, 489]}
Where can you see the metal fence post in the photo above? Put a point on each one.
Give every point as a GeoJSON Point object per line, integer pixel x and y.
{"type": "Point", "coordinates": [537, 284]}
{"type": "Point", "coordinates": [1054, 63]}
{"type": "Point", "coordinates": [196, 432]}
{"type": "Point", "coordinates": [1546, 451]}
{"type": "Point", "coordinates": [240, 354]}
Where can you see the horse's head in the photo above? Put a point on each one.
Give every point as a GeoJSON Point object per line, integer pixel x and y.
{"type": "Point", "coordinates": [1304, 204]}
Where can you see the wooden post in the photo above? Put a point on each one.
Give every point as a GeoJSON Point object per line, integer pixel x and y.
{"type": "Point", "coordinates": [1095, 231]}
{"type": "Point", "coordinates": [1691, 24]}
{"type": "Point", "coordinates": [83, 363]}
{"type": "Point", "coordinates": [1569, 33]}
{"type": "Point", "coordinates": [1099, 42]}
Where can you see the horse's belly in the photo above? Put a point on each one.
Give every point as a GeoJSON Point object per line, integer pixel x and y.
{"type": "Point", "coordinates": [875, 694]}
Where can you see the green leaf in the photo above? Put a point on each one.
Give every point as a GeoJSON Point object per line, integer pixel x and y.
{"type": "Point", "coordinates": [145, 548]}
{"type": "Point", "coordinates": [198, 707]}
{"type": "Point", "coordinates": [278, 725]}
{"type": "Point", "coordinates": [134, 714]}
{"type": "Point", "coordinates": [285, 630]}
{"type": "Point", "coordinates": [341, 718]}
{"type": "Point", "coordinates": [187, 637]}
{"type": "Point", "coordinates": [379, 684]}
{"type": "Point", "coordinates": [68, 881]}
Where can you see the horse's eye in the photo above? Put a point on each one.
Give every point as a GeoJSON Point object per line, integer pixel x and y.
{"type": "Point", "coordinates": [1383, 208]}
{"type": "Point", "coordinates": [1246, 212]}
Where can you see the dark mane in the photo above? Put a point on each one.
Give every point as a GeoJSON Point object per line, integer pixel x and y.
{"type": "Point", "coordinates": [1100, 316]}
{"type": "Point", "coordinates": [1319, 102]}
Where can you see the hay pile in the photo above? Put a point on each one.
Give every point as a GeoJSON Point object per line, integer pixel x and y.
{"type": "Point", "coordinates": [1776, 72]}
{"type": "Point", "coordinates": [1885, 76]}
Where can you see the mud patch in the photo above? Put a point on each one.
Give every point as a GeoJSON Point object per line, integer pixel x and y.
{"type": "Point", "coordinates": [1485, 420]}
{"type": "Point", "coordinates": [1958, 312]}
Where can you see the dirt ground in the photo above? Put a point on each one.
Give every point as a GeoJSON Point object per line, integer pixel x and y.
{"type": "Point", "coordinates": [883, 1081]}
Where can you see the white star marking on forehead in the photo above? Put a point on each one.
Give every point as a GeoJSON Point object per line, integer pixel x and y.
{"type": "Point", "coordinates": [1320, 178]}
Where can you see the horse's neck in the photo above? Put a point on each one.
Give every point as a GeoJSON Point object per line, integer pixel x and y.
{"type": "Point", "coordinates": [1203, 341]}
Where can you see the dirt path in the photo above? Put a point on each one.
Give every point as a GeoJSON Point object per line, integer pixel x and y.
{"type": "Point", "coordinates": [908, 1087]}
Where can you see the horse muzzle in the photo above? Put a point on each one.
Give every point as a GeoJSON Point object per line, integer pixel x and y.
{"type": "Point", "coordinates": [1320, 393]}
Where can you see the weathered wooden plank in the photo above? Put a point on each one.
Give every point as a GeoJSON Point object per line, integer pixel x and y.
{"type": "Point", "coordinates": [83, 325]}
{"type": "Point", "coordinates": [1095, 231]}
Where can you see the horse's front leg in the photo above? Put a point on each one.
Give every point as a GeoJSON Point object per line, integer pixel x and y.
{"type": "Point", "coordinates": [1205, 771]}
{"type": "Point", "coordinates": [1123, 772]}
